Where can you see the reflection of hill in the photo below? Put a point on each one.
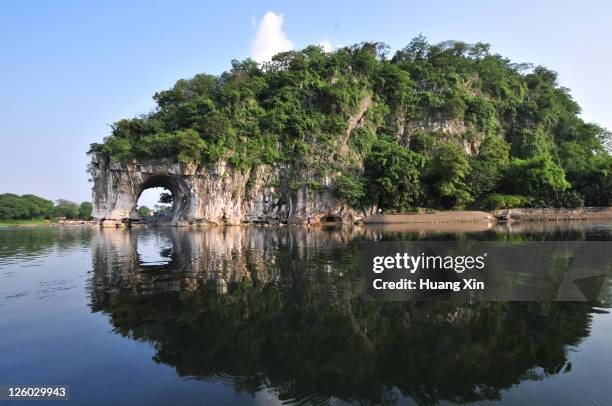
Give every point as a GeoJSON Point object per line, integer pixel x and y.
{"type": "Point", "coordinates": [280, 308]}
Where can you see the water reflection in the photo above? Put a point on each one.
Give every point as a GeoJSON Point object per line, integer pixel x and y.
{"type": "Point", "coordinates": [280, 309]}
{"type": "Point", "coordinates": [19, 246]}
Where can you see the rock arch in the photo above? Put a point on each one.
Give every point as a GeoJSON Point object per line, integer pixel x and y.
{"type": "Point", "coordinates": [210, 195]}
{"type": "Point", "coordinates": [118, 186]}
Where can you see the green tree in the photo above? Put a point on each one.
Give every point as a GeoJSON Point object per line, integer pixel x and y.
{"type": "Point", "coordinates": [13, 207]}
{"type": "Point", "coordinates": [587, 165]}
{"type": "Point", "coordinates": [393, 175]}
{"type": "Point", "coordinates": [166, 198]}
{"type": "Point", "coordinates": [24, 207]}
{"type": "Point", "coordinates": [66, 208]}
{"type": "Point", "coordinates": [487, 167]}
{"type": "Point", "coordinates": [350, 189]}
{"type": "Point", "coordinates": [528, 143]}
{"type": "Point", "coordinates": [594, 180]}
{"type": "Point", "coordinates": [190, 145]}
{"type": "Point", "coordinates": [37, 206]}
{"type": "Point", "coordinates": [446, 176]}
{"type": "Point", "coordinates": [424, 143]}
{"type": "Point", "coordinates": [144, 211]}
{"type": "Point", "coordinates": [85, 210]}
{"type": "Point", "coordinates": [538, 177]}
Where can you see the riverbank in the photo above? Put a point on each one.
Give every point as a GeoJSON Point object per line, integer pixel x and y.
{"type": "Point", "coordinates": [432, 217]}
{"type": "Point", "coordinates": [529, 214]}
{"type": "Point", "coordinates": [45, 223]}
{"type": "Point", "coordinates": [27, 223]}
{"type": "Point", "coordinates": [450, 216]}
{"type": "Point", "coordinates": [520, 214]}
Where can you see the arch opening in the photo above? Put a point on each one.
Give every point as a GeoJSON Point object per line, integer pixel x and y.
{"type": "Point", "coordinates": [165, 197]}
{"type": "Point", "coordinates": [154, 203]}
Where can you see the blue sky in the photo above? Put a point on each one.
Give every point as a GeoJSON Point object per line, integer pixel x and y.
{"type": "Point", "coordinates": [70, 68]}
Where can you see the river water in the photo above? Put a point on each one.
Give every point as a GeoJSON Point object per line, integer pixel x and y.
{"type": "Point", "coordinates": [275, 315]}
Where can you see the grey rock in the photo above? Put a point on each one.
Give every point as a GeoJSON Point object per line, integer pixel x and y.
{"type": "Point", "coordinates": [211, 195]}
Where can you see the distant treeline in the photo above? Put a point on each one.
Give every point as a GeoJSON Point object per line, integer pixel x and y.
{"type": "Point", "coordinates": [28, 207]}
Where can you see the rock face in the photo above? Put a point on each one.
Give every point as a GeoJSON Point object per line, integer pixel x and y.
{"type": "Point", "coordinates": [447, 129]}
{"type": "Point", "coordinates": [204, 195]}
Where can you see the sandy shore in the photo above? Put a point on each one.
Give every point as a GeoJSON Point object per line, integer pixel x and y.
{"type": "Point", "coordinates": [459, 216]}
{"type": "Point", "coordinates": [521, 214]}
{"type": "Point", "coordinates": [478, 218]}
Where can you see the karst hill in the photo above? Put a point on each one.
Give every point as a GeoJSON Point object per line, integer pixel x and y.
{"type": "Point", "coordinates": [317, 135]}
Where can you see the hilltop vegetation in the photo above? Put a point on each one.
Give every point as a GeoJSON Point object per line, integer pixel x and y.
{"type": "Point", "coordinates": [447, 125]}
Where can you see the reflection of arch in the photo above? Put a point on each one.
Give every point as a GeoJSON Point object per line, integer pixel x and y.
{"type": "Point", "coordinates": [177, 186]}
{"type": "Point", "coordinates": [158, 244]}
{"type": "Point", "coordinates": [212, 255]}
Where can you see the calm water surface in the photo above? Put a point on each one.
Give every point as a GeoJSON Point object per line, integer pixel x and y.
{"type": "Point", "coordinates": [271, 315]}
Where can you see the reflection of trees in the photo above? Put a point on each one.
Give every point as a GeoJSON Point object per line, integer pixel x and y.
{"type": "Point", "coordinates": [521, 231]}
{"type": "Point", "coordinates": [22, 244]}
{"type": "Point", "coordinates": [278, 309]}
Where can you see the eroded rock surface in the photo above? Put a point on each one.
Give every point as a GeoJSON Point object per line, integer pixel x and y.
{"type": "Point", "coordinates": [204, 195]}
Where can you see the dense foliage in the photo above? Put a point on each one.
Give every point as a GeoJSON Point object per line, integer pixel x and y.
{"type": "Point", "coordinates": [24, 207]}
{"type": "Point", "coordinates": [144, 211]}
{"type": "Point", "coordinates": [441, 125]}
{"type": "Point", "coordinates": [28, 207]}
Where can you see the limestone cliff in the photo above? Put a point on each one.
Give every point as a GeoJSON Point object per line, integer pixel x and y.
{"type": "Point", "coordinates": [205, 195]}
{"type": "Point", "coordinates": [220, 194]}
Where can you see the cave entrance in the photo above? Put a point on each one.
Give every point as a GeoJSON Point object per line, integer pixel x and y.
{"type": "Point", "coordinates": [161, 199]}
{"type": "Point", "coordinates": [331, 218]}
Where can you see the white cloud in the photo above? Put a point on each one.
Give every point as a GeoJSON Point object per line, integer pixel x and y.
{"type": "Point", "coordinates": [270, 38]}
{"type": "Point", "coordinates": [326, 45]}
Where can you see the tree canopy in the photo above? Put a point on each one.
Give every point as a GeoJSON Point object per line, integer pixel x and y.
{"type": "Point", "coordinates": [144, 211]}
{"type": "Point", "coordinates": [14, 207]}
{"type": "Point", "coordinates": [28, 207]}
{"type": "Point", "coordinates": [335, 114]}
